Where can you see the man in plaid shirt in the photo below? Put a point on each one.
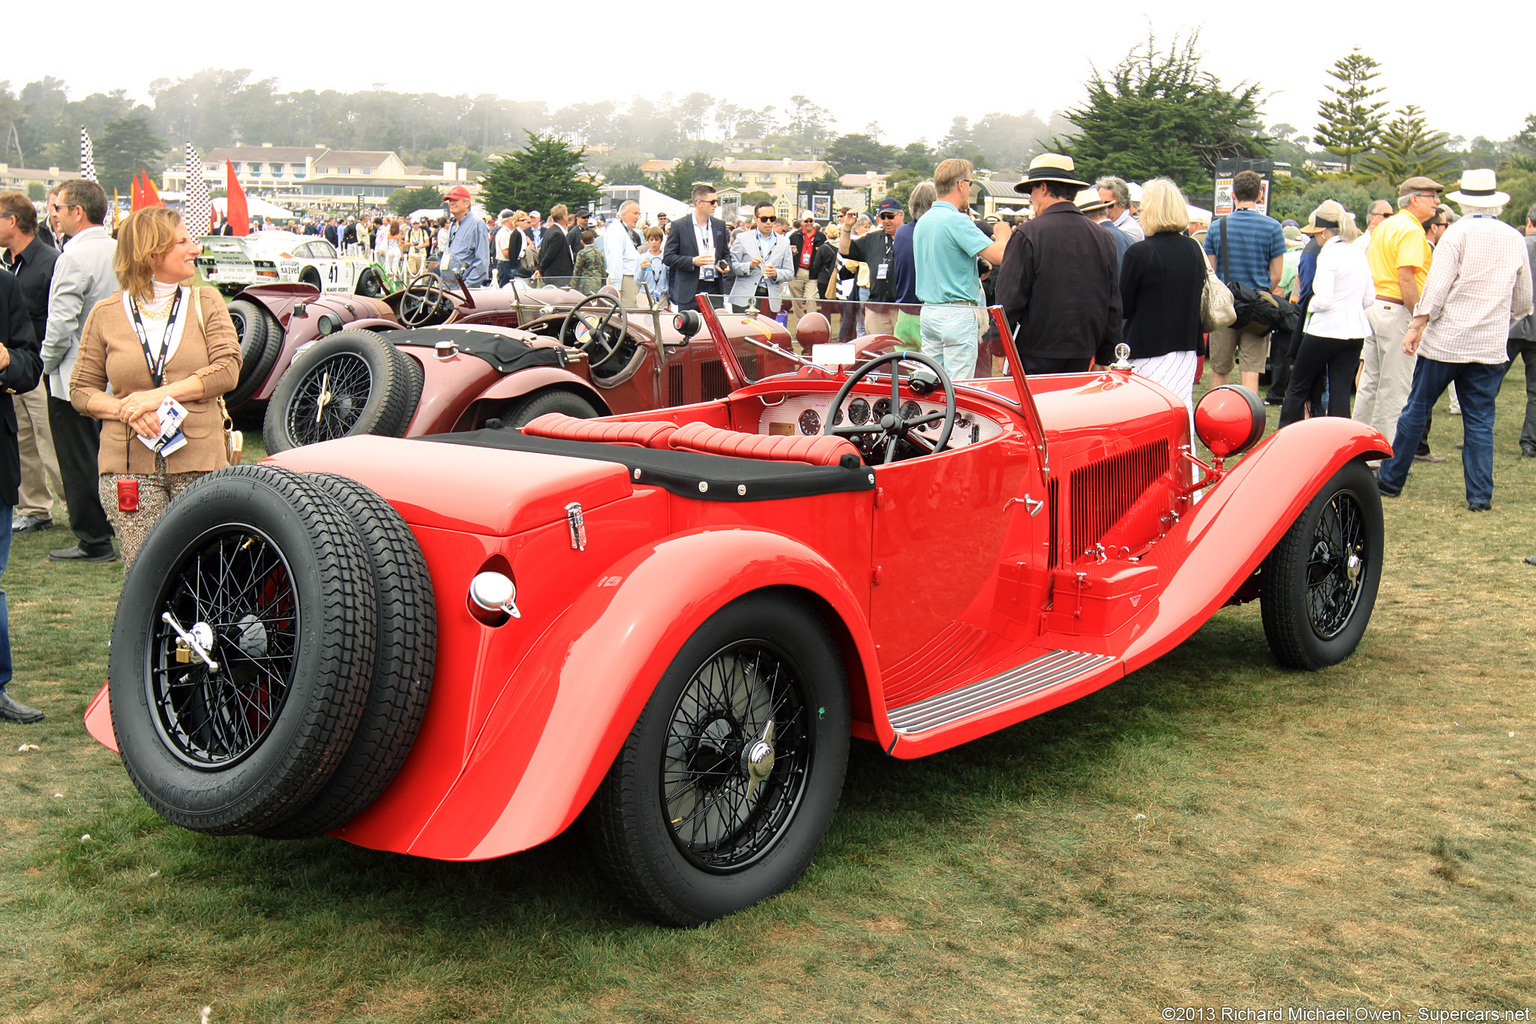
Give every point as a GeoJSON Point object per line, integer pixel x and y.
{"type": "Point", "coordinates": [1479, 283]}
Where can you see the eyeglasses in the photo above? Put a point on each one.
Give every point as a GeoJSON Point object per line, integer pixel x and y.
{"type": "Point", "coordinates": [765, 218]}
{"type": "Point", "coordinates": [965, 181]}
{"type": "Point", "coordinates": [1427, 195]}
{"type": "Point", "coordinates": [708, 202]}
{"type": "Point", "coordinates": [887, 216]}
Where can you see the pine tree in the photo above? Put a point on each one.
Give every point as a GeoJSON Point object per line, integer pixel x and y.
{"type": "Point", "coordinates": [1408, 148]}
{"type": "Point", "coordinates": [543, 173]}
{"type": "Point", "coordinates": [1350, 122]}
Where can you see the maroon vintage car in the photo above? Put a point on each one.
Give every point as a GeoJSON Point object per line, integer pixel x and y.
{"type": "Point", "coordinates": [274, 321]}
{"type": "Point", "coordinates": [590, 358]}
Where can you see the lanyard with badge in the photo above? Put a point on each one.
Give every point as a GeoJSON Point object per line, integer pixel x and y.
{"type": "Point", "coordinates": [157, 368]}
{"type": "Point", "coordinates": [706, 236]}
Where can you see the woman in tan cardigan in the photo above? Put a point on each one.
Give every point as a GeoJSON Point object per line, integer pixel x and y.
{"type": "Point", "coordinates": [155, 339]}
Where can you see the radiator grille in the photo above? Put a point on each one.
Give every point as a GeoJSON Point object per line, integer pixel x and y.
{"type": "Point", "coordinates": [1105, 491]}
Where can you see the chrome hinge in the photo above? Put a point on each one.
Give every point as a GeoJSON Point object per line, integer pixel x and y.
{"type": "Point", "coordinates": [577, 524]}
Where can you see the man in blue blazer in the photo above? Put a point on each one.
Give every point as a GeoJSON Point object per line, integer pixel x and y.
{"type": "Point", "coordinates": [697, 251]}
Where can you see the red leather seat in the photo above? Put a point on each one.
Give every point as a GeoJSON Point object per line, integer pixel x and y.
{"type": "Point", "coordinates": [642, 434]}
{"type": "Point", "coordinates": [820, 450]}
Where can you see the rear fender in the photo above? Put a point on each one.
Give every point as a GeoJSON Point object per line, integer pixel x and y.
{"type": "Point", "coordinates": [540, 378]}
{"type": "Point", "coordinates": [1223, 539]}
{"type": "Point", "coordinates": [553, 733]}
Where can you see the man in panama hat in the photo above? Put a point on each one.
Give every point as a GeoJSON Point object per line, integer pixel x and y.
{"type": "Point", "coordinates": [1058, 283]}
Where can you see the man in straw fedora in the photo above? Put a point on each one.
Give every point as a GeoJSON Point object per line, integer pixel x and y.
{"type": "Point", "coordinates": [1479, 284]}
{"type": "Point", "coordinates": [1059, 284]}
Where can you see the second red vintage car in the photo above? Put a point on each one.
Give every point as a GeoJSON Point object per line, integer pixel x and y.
{"type": "Point", "coordinates": [670, 624]}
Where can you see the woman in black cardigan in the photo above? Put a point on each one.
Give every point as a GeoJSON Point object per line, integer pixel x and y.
{"type": "Point", "coordinates": [1161, 280]}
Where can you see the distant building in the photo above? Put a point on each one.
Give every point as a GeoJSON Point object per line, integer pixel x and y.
{"type": "Point", "coordinates": [18, 178]}
{"type": "Point", "coordinates": [317, 176]}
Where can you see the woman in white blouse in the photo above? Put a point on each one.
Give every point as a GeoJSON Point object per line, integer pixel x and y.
{"type": "Point", "coordinates": [1337, 327]}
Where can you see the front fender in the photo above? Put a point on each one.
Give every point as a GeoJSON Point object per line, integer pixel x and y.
{"type": "Point", "coordinates": [1222, 540]}
{"type": "Point", "coordinates": [553, 733]}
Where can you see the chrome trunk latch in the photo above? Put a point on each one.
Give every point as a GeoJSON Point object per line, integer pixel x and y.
{"type": "Point", "coordinates": [577, 524]}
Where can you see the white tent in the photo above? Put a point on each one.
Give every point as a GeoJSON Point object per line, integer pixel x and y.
{"type": "Point", "coordinates": [255, 207]}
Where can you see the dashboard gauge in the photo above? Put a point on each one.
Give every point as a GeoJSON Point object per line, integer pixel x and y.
{"type": "Point", "coordinates": [882, 407]}
{"type": "Point", "coordinates": [858, 412]}
{"type": "Point", "coordinates": [837, 416]}
{"type": "Point", "coordinates": [910, 410]}
{"type": "Point", "coordinates": [810, 423]}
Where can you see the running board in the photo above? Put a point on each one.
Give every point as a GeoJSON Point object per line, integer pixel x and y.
{"type": "Point", "coordinates": [988, 694]}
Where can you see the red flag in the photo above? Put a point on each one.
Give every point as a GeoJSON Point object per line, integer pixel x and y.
{"type": "Point", "coordinates": [234, 196]}
{"type": "Point", "coordinates": [151, 194]}
{"type": "Point", "coordinates": [135, 196]}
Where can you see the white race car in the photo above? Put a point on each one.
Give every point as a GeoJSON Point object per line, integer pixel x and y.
{"type": "Point", "coordinates": [231, 262]}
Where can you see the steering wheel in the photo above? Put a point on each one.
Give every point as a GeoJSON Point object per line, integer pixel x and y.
{"type": "Point", "coordinates": [894, 426]}
{"type": "Point", "coordinates": [603, 343]}
{"type": "Point", "coordinates": [423, 299]}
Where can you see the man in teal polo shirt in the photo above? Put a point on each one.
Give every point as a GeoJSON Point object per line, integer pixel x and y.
{"type": "Point", "coordinates": [945, 245]}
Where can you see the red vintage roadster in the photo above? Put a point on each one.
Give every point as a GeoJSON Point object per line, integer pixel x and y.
{"type": "Point", "coordinates": [671, 623]}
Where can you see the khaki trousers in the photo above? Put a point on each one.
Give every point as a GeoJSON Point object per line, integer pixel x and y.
{"type": "Point", "coordinates": [39, 462]}
{"type": "Point", "coordinates": [1387, 374]}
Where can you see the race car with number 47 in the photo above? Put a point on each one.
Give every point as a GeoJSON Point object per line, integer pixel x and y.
{"type": "Point", "coordinates": [669, 625]}
{"type": "Point", "coordinates": [230, 262]}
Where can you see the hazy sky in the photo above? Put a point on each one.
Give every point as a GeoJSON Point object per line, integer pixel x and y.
{"type": "Point", "coordinates": [995, 59]}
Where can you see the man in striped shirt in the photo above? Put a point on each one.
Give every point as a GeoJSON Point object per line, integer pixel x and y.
{"type": "Point", "coordinates": [1479, 284]}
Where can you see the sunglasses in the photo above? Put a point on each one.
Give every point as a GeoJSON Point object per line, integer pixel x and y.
{"type": "Point", "coordinates": [887, 216]}
{"type": "Point", "coordinates": [765, 218]}
{"type": "Point", "coordinates": [708, 202]}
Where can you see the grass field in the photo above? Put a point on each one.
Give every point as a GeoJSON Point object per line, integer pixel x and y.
{"type": "Point", "coordinates": [1211, 832]}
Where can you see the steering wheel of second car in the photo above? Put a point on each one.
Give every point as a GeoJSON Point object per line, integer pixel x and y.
{"type": "Point", "coordinates": [894, 425]}
{"type": "Point", "coordinates": [602, 339]}
{"type": "Point", "coordinates": [423, 299]}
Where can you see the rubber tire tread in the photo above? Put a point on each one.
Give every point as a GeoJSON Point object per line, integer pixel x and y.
{"type": "Point", "coordinates": [379, 292]}
{"type": "Point", "coordinates": [1283, 580]}
{"type": "Point", "coordinates": [535, 405]}
{"type": "Point", "coordinates": [261, 368]}
{"type": "Point", "coordinates": [402, 673]}
{"type": "Point", "coordinates": [636, 849]}
{"type": "Point", "coordinates": [251, 327]}
{"type": "Point", "coordinates": [334, 662]}
{"type": "Point", "coordinates": [388, 409]}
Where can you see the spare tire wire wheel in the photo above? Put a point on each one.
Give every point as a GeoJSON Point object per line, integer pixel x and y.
{"type": "Point", "coordinates": [329, 399]}
{"type": "Point", "coordinates": [222, 651]}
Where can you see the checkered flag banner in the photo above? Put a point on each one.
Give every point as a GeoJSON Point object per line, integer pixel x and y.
{"type": "Point", "coordinates": [87, 156]}
{"type": "Point", "coordinates": [196, 208]}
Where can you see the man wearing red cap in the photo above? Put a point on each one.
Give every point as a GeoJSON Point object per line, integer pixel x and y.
{"type": "Point", "coordinates": [469, 241]}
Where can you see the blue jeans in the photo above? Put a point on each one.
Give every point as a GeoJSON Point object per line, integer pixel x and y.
{"type": "Point", "coordinates": [5, 615]}
{"type": "Point", "coordinates": [1477, 385]}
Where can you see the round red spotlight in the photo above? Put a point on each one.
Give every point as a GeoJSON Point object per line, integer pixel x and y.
{"type": "Point", "coordinates": [1229, 419]}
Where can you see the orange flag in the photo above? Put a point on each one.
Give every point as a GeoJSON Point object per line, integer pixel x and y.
{"type": "Point", "coordinates": [135, 196]}
{"type": "Point", "coordinates": [151, 194]}
{"type": "Point", "coordinates": [235, 212]}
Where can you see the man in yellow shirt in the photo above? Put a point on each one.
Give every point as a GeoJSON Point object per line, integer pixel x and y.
{"type": "Point", "coordinates": [1399, 256]}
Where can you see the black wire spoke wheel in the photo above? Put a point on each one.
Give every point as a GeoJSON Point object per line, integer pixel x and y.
{"type": "Point", "coordinates": [726, 808]}
{"type": "Point", "coordinates": [330, 399]}
{"type": "Point", "coordinates": [729, 779]}
{"type": "Point", "coordinates": [234, 594]}
{"type": "Point", "coordinates": [1317, 586]}
{"type": "Point", "coordinates": [1336, 569]}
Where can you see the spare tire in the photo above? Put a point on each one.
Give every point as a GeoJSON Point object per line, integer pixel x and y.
{"type": "Point", "coordinates": [352, 382]}
{"type": "Point", "coordinates": [259, 571]}
{"type": "Point", "coordinates": [402, 673]}
{"type": "Point", "coordinates": [256, 360]}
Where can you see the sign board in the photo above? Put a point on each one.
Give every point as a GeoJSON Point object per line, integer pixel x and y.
{"type": "Point", "coordinates": [1228, 168]}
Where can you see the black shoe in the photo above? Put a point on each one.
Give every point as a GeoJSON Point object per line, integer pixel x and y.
{"type": "Point", "coordinates": [30, 524]}
{"type": "Point", "coordinates": [79, 554]}
{"type": "Point", "coordinates": [1528, 453]}
{"type": "Point", "coordinates": [1388, 492]}
{"type": "Point", "coordinates": [1479, 506]}
{"type": "Point", "coordinates": [11, 711]}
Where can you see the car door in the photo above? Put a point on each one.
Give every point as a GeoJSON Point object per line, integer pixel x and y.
{"type": "Point", "coordinates": [960, 545]}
